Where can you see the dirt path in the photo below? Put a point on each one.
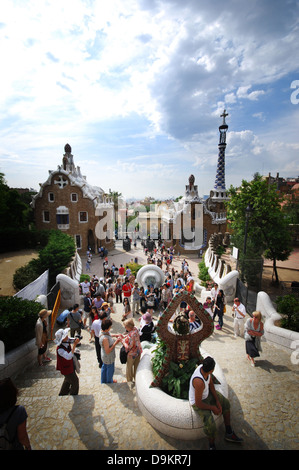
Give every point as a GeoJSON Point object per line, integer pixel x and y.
{"type": "Point", "coordinates": [9, 262]}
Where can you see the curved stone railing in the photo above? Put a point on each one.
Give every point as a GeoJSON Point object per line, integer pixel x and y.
{"type": "Point", "coordinates": [171, 416]}
{"type": "Point", "coordinates": [281, 337]}
{"type": "Point", "coordinates": [220, 272]}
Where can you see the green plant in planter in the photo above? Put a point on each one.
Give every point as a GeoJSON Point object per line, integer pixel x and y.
{"type": "Point", "coordinates": [176, 381]}
{"type": "Point", "coordinates": [159, 356]}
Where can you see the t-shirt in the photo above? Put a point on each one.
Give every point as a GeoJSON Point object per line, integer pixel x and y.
{"type": "Point", "coordinates": [127, 290]}
{"type": "Point", "coordinates": [241, 309]}
{"type": "Point", "coordinates": [96, 327]}
{"type": "Point", "coordinates": [121, 271]}
{"type": "Point", "coordinates": [85, 286]}
{"type": "Point", "coordinates": [74, 319]}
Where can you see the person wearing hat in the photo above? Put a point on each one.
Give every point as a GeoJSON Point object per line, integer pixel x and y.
{"type": "Point", "coordinates": [41, 336]}
{"type": "Point", "coordinates": [65, 352]}
{"type": "Point", "coordinates": [147, 327]}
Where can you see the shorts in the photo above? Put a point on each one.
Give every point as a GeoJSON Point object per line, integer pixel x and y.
{"type": "Point", "coordinates": [210, 428]}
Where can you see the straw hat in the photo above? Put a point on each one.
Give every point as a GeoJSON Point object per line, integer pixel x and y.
{"type": "Point", "coordinates": [44, 313]}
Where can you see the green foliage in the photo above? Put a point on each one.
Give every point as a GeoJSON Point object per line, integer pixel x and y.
{"type": "Point", "coordinates": [203, 274]}
{"type": "Point", "coordinates": [220, 250]}
{"type": "Point", "coordinates": [26, 274]}
{"type": "Point", "coordinates": [176, 381]}
{"type": "Point", "coordinates": [134, 267]}
{"type": "Point", "coordinates": [288, 307]}
{"type": "Point", "coordinates": [158, 356]}
{"type": "Point", "coordinates": [55, 256]}
{"type": "Point", "coordinates": [267, 229]}
{"type": "Point", "coordinates": [17, 321]}
{"type": "Point", "coordinates": [83, 277]}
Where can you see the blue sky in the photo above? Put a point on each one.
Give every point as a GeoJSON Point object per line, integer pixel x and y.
{"type": "Point", "coordinates": [136, 87]}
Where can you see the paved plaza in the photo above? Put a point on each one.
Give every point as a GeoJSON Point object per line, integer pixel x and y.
{"type": "Point", "coordinates": [264, 399]}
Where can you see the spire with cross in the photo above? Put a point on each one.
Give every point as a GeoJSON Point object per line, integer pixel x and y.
{"type": "Point", "coordinates": [220, 176]}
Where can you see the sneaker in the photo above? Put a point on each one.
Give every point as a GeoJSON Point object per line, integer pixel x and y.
{"type": "Point", "coordinates": [232, 437]}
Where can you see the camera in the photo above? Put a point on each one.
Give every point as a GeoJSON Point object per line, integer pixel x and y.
{"type": "Point", "coordinates": [71, 340]}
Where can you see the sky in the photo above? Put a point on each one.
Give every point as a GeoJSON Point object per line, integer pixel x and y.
{"type": "Point", "coordinates": [137, 87]}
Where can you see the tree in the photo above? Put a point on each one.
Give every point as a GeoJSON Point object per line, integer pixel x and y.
{"type": "Point", "coordinates": [267, 228]}
{"type": "Point", "coordinates": [13, 211]}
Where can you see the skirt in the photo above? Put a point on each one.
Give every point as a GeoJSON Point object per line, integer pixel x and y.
{"type": "Point", "coordinates": [251, 348]}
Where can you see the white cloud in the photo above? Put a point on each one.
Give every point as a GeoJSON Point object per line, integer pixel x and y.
{"type": "Point", "coordinates": [77, 70]}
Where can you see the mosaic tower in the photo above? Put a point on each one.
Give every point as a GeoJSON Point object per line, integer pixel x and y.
{"type": "Point", "coordinates": [220, 175]}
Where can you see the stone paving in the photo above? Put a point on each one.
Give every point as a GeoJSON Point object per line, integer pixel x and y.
{"type": "Point", "coordinates": [264, 399]}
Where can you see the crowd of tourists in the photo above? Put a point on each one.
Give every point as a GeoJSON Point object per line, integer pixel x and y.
{"type": "Point", "coordinates": [99, 298]}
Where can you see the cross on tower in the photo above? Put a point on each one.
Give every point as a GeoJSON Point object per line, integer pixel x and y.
{"type": "Point", "coordinates": [224, 114]}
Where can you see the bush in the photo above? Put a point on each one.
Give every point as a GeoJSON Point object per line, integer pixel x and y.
{"type": "Point", "coordinates": [55, 256]}
{"type": "Point", "coordinates": [203, 274]}
{"type": "Point", "coordinates": [83, 277]}
{"type": "Point", "coordinates": [17, 321]}
{"type": "Point", "coordinates": [26, 274]}
{"type": "Point", "coordinates": [288, 307]}
{"type": "Point", "coordinates": [134, 268]}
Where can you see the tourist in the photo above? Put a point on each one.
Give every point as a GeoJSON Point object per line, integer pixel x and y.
{"type": "Point", "coordinates": [110, 297]}
{"type": "Point", "coordinates": [95, 332]}
{"type": "Point", "coordinates": [118, 290]}
{"type": "Point", "coordinates": [219, 309]}
{"type": "Point", "coordinates": [133, 347]}
{"type": "Point", "coordinates": [165, 296]}
{"type": "Point", "coordinates": [254, 330]}
{"type": "Point", "coordinates": [179, 286]}
{"type": "Point", "coordinates": [142, 300]}
{"type": "Point", "coordinates": [65, 353]}
{"type": "Point", "coordinates": [41, 336]}
{"type": "Point", "coordinates": [190, 284]}
{"type": "Point", "coordinates": [135, 299]}
{"type": "Point", "coordinates": [98, 302]}
{"type": "Point", "coordinates": [127, 289]}
{"type": "Point", "coordinates": [87, 309]}
{"type": "Point", "coordinates": [208, 305]}
{"type": "Point", "coordinates": [14, 415]}
{"type": "Point", "coordinates": [85, 287]}
{"type": "Point", "coordinates": [108, 345]}
{"type": "Point", "coordinates": [239, 314]}
{"type": "Point", "coordinates": [121, 272]}
{"type": "Point", "coordinates": [214, 293]}
{"type": "Point", "coordinates": [74, 321]}
{"type": "Point", "coordinates": [147, 326]}
{"type": "Point", "coordinates": [205, 400]}
{"type": "Point", "coordinates": [150, 297]}
{"type": "Point", "coordinates": [194, 323]}
{"type": "Point", "coordinates": [94, 315]}
{"type": "Point", "coordinates": [61, 319]}
{"type": "Point", "coordinates": [127, 313]}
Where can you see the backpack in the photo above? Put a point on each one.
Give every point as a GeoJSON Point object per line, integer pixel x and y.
{"type": "Point", "coordinates": [5, 442]}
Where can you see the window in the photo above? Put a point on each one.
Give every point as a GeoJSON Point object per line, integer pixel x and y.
{"type": "Point", "coordinates": [83, 216]}
{"type": "Point", "coordinates": [46, 216]}
{"type": "Point", "coordinates": [51, 197]}
{"type": "Point", "coordinates": [74, 197]}
{"type": "Point", "coordinates": [62, 217]}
